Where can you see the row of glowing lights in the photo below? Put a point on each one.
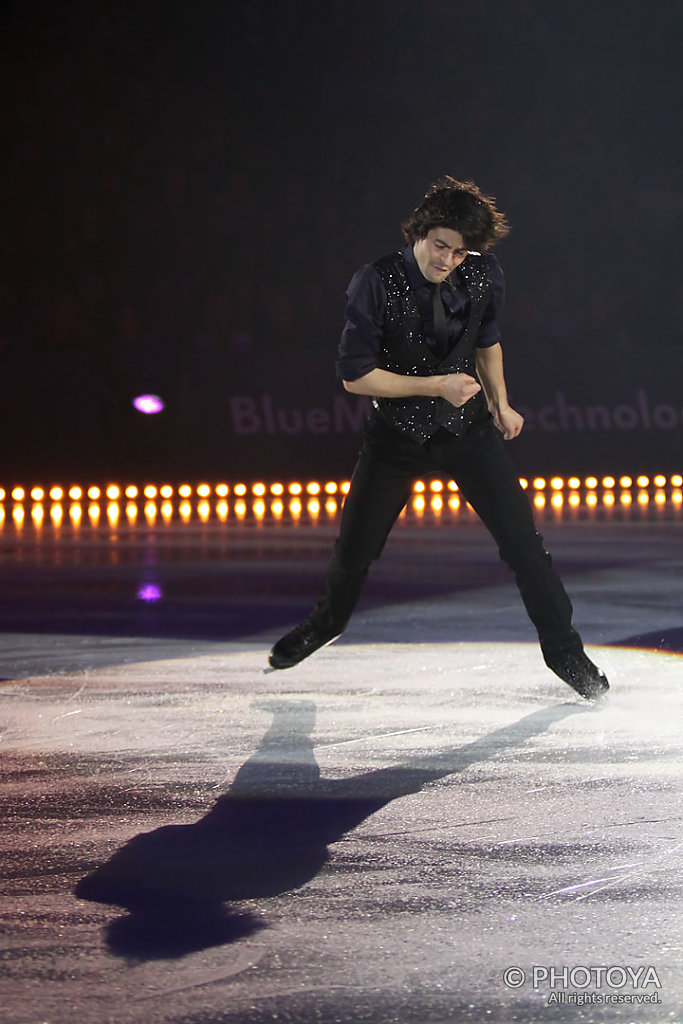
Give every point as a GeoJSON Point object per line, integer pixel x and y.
{"type": "Point", "coordinates": [113, 492]}
{"type": "Point", "coordinates": [132, 492]}
{"type": "Point", "coordinates": [313, 507]}
{"type": "Point", "coordinates": [167, 511]}
{"type": "Point", "coordinates": [312, 493]}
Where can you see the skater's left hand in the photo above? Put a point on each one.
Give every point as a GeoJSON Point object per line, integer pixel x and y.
{"type": "Point", "coordinates": [508, 421]}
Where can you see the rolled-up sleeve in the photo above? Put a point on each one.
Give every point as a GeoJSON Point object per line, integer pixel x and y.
{"type": "Point", "coordinates": [489, 331]}
{"type": "Point", "coordinates": [361, 339]}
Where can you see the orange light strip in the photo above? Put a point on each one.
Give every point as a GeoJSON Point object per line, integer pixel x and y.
{"type": "Point", "coordinates": [314, 489]}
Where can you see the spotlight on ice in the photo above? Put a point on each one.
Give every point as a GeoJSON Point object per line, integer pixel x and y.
{"type": "Point", "coordinates": [149, 404]}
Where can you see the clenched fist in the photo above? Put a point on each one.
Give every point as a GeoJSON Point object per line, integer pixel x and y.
{"type": "Point", "coordinates": [458, 388]}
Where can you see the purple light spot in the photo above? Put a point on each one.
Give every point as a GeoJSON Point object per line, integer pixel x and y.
{"type": "Point", "coordinates": [149, 404]}
{"type": "Point", "coordinates": [149, 592]}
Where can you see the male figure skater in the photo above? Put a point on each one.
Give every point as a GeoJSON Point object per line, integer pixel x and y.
{"type": "Point", "coordinates": [421, 338]}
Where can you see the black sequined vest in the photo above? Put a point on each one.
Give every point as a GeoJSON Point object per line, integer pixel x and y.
{"type": "Point", "coordinates": [405, 351]}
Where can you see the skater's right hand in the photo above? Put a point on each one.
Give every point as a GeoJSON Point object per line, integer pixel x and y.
{"type": "Point", "coordinates": [458, 388]}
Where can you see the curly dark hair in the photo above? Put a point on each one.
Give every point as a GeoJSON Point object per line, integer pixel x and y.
{"type": "Point", "coordinates": [460, 206]}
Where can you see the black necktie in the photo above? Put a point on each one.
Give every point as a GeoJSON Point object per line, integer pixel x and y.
{"type": "Point", "coordinates": [439, 320]}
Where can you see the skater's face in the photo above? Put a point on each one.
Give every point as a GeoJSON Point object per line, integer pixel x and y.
{"type": "Point", "coordinates": [439, 253]}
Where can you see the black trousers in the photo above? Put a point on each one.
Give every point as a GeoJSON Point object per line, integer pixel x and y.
{"type": "Point", "coordinates": [388, 464]}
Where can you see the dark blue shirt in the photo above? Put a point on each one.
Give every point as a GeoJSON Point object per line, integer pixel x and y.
{"type": "Point", "coordinates": [361, 340]}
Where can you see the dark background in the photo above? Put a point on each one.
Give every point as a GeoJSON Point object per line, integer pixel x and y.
{"type": "Point", "coordinates": [189, 187]}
